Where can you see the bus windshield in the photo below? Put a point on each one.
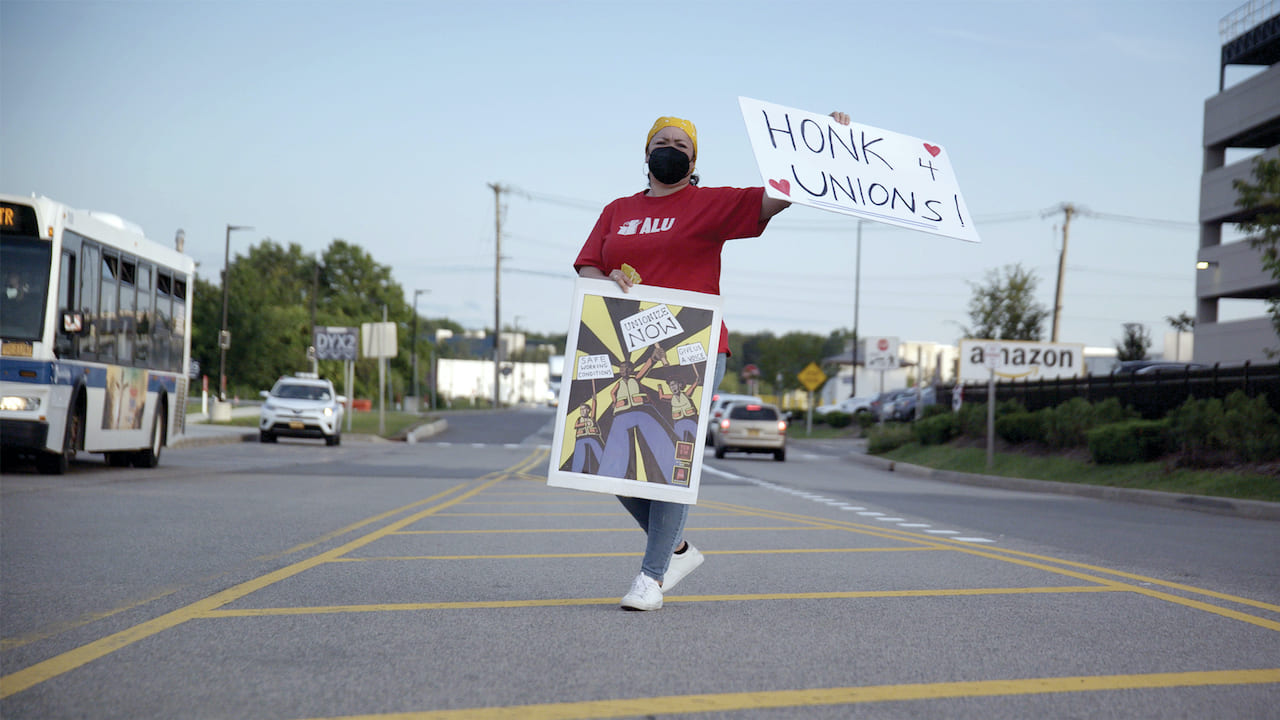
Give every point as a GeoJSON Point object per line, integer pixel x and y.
{"type": "Point", "coordinates": [25, 263]}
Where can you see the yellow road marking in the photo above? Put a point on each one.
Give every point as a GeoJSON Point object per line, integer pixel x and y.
{"type": "Point", "coordinates": [727, 702]}
{"type": "Point", "coordinates": [525, 503]}
{"type": "Point", "coordinates": [1040, 562]}
{"type": "Point", "coordinates": [563, 556]}
{"type": "Point", "coordinates": [59, 628]}
{"type": "Point", "coordinates": [617, 514]}
{"type": "Point", "coordinates": [566, 602]}
{"type": "Point", "coordinates": [33, 675]}
{"type": "Point", "coordinates": [588, 530]}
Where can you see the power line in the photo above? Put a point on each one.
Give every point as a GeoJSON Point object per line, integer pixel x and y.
{"type": "Point", "coordinates": [1179, 224]}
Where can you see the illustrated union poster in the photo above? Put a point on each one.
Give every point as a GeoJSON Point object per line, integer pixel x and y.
{"type": "Point", "coordinates": [634, 401]}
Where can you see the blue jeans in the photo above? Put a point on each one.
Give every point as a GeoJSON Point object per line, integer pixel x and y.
{"type": "Point", "coordinates": [663, 522]}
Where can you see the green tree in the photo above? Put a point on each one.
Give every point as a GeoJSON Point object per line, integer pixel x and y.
{"type": "Point", "coordinates": [1262, 198]}
{"type": "Point", "coordinates": [1135, 343]}
{"type": "Point", "coordinates": [275, 290]}
{"type": "Point", "coordinates": [1004, 308]}
{"type": "Point", "coordinates": [786, 354]}
{"type": "Point", "coordinates": [1182, 323]}
{"type": "Point", "coordinates": [206, 321]}
{"type": "Point", "coordinates": [268, 316]}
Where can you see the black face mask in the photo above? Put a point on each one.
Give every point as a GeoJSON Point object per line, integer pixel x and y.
{"type": "Point", "coordinates": [668, 165]}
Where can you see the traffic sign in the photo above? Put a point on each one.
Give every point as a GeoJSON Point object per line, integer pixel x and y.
{"type": "Point", "coordinates": [881, 353]}
{"type": "Point", "coordinates": [336, 343]}
{"type": "Point", "coordinates": [812, 377]}
{"type": "Point", "coordinates": [991, 356]}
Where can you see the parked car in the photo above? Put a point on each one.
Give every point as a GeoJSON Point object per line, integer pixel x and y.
{"type": "Point", "coordinates": [752, 428]}
{"type": "Point", "coordinates": [882, 405]}
{"type": "Point", "coordinates": [849, 406]}
{"type": "Point", "coordinates": [718, 403]}
{"type": "Point", "coordinates": [1148, 367]}
{"type": "Point", "coordinates": [303, 405]}
{"type": "Point", "coordinates": [904, 406]}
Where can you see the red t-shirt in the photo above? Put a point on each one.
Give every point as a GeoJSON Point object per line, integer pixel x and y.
{"type": "Point", "coordinates": [674, 241]}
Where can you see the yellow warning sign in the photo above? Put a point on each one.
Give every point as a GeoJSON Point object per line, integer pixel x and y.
{"type": "Point", "coordinates": [812, 377]}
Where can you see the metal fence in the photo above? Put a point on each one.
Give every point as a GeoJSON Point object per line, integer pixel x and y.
{"type": "Point", "coordinates": [1153, 395]}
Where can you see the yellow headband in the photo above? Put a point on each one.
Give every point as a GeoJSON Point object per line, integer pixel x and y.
{"type": "Point", "coordinates": [675, 122]}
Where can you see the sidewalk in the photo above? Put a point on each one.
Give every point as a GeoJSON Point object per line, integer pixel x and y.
{"type": "Point", "coordinates": [201, 432]}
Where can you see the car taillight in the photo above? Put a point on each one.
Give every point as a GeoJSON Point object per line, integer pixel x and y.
{"type": "Point", "coordinates": [782, 426]}
{"type": "Point", "coordinates": [724, 425]}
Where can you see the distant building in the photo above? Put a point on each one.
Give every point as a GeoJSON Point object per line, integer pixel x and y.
{"type": "Point", "coordinates": [922, 362]}
{"type": "Point", "coordinates": [1243, 118]}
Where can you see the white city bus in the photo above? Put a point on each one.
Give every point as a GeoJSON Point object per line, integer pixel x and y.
{"type": "Point", "coordinates": [95, 336]}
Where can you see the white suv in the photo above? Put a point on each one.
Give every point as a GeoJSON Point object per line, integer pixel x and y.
{"type": "Point", "coordinates": [301, 406]}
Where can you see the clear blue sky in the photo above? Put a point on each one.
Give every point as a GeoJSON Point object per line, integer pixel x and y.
{"type": "Point", "coordinates": [382, 123]}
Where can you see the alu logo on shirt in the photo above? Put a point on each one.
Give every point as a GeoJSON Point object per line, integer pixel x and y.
{"type": "Point", "coordinates": [648, 225]}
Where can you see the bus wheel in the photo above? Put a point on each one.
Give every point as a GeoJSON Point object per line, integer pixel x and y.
{"type": "Point", "coordinates": [150, 457]}
{"type": "Point", "coordinates": [57, 464]}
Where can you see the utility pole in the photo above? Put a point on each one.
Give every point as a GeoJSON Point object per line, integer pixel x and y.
{"type": "Point", "coordinates": [497, 290]}
{"type": "Point", "coordinates": [315, 289]}
{"type": "Point", "coordinates": [857, 291]}
{"type": "Point", "coordinates": [1067, 210]}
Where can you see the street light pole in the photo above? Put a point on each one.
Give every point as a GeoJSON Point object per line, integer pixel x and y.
{"type": "Point", "coordinates": [417, 396]}
{"type": "Point", "coordinates": [224, 337]}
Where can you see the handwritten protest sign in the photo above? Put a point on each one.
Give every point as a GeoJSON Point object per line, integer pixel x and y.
{"type": "Point", "coordinates": [859, 170]}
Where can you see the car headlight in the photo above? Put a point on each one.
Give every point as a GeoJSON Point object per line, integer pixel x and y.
{"type": "Point", "coordinates": [328, 411]}
{"type": "Point", "coordinates": [19, 403]}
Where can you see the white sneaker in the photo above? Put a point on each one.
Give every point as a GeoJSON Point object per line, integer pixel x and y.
{"type": "Point", "coordinates": [645, 594]}
{"type": "Point", "coordinates": [681, 565]}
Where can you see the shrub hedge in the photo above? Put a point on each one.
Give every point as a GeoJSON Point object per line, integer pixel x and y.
{"type": "Point", "coordinates": [935, 430]}
{"type": "Point", "coordinates": [883, 438]}
{"type": "Point", "coordinates": [1020, 427]}
{"type": "Point", "coordinates": [837, 419]}
{"type": "Point", "coordinates": [1129, 441]}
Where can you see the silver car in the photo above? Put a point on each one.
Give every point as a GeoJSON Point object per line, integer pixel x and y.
{"type": "Point", "coordinates": [752, 427]}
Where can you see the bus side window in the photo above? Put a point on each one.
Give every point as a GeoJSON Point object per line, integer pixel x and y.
{"type": "Point", "coordinates": [66, 345]}
{"type": "Point", "coordinates": [126, 325]}
{"type": "Point", "coordinates": [179, 325]}
{"type": "Point", "coordinates": [160, 330]}
{"type": "Point", "coordinates": [146, 311]}
{"type": "Point", "coordinates": [89, 299]}
{"type": "Point", "coordinates": [107, 320]}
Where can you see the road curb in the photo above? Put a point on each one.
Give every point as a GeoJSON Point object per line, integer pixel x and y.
{"type": "Point", "coordinates": [1252, 509]}
{"type": "Point", "coordinates": [225, 438]}
{"type": "Point", "coordinates": [426, 430]}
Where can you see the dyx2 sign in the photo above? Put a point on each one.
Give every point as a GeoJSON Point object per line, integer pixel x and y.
{"type": "Point", "coordinates": [337, 343]}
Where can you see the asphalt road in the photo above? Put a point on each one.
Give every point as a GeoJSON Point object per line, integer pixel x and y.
{"type": "Point", "coordinates": [445, 580]}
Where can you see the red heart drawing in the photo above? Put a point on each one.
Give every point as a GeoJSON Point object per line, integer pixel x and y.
{"type": "Point", "coordinates": [782, 186]}
{"type": "Point", "coordinates": [933, 149]}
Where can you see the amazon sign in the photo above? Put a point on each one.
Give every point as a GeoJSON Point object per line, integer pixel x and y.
{"type": "Point", "coordinates": [1019, 360]}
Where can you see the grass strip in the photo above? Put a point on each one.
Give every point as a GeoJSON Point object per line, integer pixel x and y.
{"type": "Point", "coordinates": [1143, 476]}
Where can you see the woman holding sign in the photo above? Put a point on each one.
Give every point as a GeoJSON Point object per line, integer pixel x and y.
{"type": "Point", "coordinates": [671, 235]}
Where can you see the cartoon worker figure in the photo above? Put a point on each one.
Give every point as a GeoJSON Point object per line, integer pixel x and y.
{"type": "Point", "coordinates": [631, 411]}
{"type": "Point", "coordinates": [681, 403]}
{"type": "Point", "coordinates": [587, 447]}
{"type": "Point", "coordinates": [684, 414]}
{"type": "Point", "coordinates": [627, 393]}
